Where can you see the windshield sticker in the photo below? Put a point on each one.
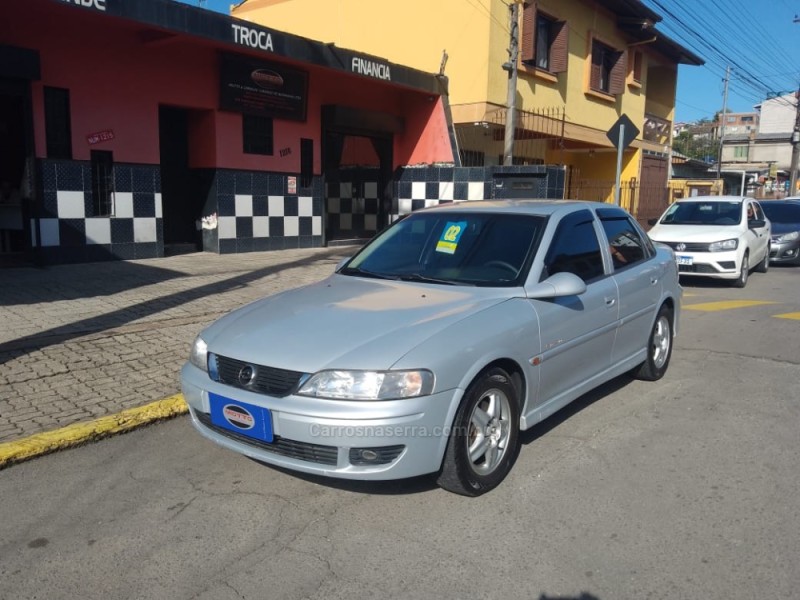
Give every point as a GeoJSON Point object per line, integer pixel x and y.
{"type": "Point", "coordinates": [450, 236]}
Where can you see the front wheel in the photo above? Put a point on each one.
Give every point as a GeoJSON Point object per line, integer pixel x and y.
{"type": "Point", "coordinates": [484, 440]}
{"type": "Point", "coordinates": [659, 347]}
{"type": "Point", "coordinates": [763, 266]}
{"type": "Point", "coordinates": [741, 281]}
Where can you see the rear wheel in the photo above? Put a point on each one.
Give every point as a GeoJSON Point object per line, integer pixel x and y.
{"type": "Point", "coordinates": [741, 281]}
{"type": "Point", "coordinates": [659, 347]}
{"type": "Point", "coordinates": [484, 440]}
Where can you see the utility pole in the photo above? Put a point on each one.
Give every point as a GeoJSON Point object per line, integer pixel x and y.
{"type": "Point", "coordinates": [722, 121]}
{"type": "Point", "coordinates": [511, 67]}
{"type": "Point", "coordinates": [795, 146]}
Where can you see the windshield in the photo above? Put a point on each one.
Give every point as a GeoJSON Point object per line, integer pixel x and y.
{"type": "Point", "coordinates": [782, 213]}
{"type": "Point", "coordinates": [452, 248]}
{"type": "Point", "coordinates": [710, 212]}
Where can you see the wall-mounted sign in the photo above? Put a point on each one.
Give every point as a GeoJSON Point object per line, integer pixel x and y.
{"type": "Point", "coordinates": [262, 88]}
{"type": "Point", "coordinates": [96, 4]}
{"type": "Point", "coordinates": [292, 185]}
{"type": "Point", "coordinates": [100, 136]}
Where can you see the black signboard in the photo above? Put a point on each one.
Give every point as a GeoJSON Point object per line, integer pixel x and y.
{"type": "Point", "coordinates": [262, 88]}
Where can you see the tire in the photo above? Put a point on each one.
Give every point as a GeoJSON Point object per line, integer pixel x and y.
{"type": "Point", "coordinates": [741, 281]}
{"type": "Point", "coordinates": [763, 266]}
{"type": "Point", "coordinates": [659, 347]}
{"type": "Point", "coordinates": [488, 421]}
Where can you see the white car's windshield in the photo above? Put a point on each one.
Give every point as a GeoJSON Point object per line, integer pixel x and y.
{"type": "Point", "coordinates": [711, 212]}
{"type": "Point", "coordinates": [483, 249]}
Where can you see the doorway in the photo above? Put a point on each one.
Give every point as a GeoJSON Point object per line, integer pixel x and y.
{"type": "Point", "coordinates": [357, 178]}
{"type": "Point", "coordinates": [180, 208]}
{"type": "Point", "coordinates": [15, 172]}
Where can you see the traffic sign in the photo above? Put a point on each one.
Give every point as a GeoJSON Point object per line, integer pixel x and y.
{"type": "Point", "coordinates": [622, 133]}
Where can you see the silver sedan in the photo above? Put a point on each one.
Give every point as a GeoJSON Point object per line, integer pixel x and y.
{"type": "Point", "coordinates": [431, 348]}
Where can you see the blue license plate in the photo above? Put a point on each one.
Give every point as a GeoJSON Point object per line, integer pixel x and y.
{"type": "Point", "coordinates": [241, 417]}
{"type": "Point", "coordinates": [684, 260]}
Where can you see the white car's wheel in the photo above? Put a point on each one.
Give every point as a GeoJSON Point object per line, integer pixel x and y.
{"type": "Point", "coordinates": [763, 266]}
{"type": "Point", "coordinates": [741, 281]}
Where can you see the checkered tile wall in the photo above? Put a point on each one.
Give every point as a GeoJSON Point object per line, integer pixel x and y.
{"type": "Point", "coordinates": [70, 232]}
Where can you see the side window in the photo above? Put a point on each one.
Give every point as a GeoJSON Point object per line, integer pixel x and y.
{"type": "Point", "coordinates": [624, 242]}
{"type": "Point", "coordinates": [575, 248]}
{"type": "Point", "coordinates": [759, 212]}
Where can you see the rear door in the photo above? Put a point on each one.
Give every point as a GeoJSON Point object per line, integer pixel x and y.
{"type": "Point", "coordinates": [638, 277]}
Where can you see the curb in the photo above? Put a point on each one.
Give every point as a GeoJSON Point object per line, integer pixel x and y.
{"type": "Point", "coordinates": [80, 433]}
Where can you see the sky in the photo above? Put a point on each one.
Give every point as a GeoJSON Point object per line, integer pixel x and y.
{"type": "Point", "coordinates": [759, 40]}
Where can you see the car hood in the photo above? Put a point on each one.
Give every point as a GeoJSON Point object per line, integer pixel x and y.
{"type": "Point", "coordinates": [784, 227]}
{"type": "Point", "coordinates": [694, 233]}
{"type": "Point", "coordinates": [345, 322]}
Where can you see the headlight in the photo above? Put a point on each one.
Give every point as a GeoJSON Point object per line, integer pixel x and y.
{"type": "Point", "coordinates": [723, 245]}
{"type": "Point", "coordinates": [368, 385]}
{"type": "Point", "coordinates": [199, 354]}
{"type": "Point", "coordinates": [788, 237]}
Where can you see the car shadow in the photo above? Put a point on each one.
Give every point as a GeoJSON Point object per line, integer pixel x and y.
{"type": "Point", "coordinates": [427, 483]}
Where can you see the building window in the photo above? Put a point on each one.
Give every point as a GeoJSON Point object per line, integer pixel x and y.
{"type": "Point", "coordinates": [306, 162]}
{"type": "Point", "coordinates": [257, 134]}
{"type": "Point", "coordinates": [636, 66]}
{"type": "Point", "coordinates": [607, 69]}
{"type": "Point", "coordinates": [544, 41]}
{"type": "Point", "coordinates": [747, 119]}
{"type": "Point", "coordinates": [102, 163]}
{"type": "Point", "coordinates": [58, 129]}
{"type": "Point", "coordinates": [740, 152]}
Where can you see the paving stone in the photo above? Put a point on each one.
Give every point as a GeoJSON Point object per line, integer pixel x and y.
{"type": "Point", "coordinates": [84, 341]}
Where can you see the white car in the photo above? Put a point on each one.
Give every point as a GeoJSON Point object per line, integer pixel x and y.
{"type": "Point", "coordinates": [723, 237]}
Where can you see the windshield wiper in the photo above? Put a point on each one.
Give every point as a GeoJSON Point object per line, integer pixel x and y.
{"type": "Point", "coordinates": [418, 277]}
{"type": "Point", "coordinates": [365, 273]}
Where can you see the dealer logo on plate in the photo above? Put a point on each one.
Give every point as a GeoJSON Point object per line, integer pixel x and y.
{"type": "Point", "coordinates": [238, 417]}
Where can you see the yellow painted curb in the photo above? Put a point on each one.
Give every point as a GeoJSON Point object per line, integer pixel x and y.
{"type": "Point", "coordinates": [79, 433]}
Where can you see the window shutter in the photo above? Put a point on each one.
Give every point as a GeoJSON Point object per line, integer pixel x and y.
{"type": "Point", "coordinates": [597, 66]}
{"type": "Point", "coordinates": [527, 52]}
{"type": "Point", "coordinates": [559, 51]}
{"type": "Point", "coordinates": [616, 82]}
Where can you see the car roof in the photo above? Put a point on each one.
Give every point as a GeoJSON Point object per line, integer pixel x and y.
{"type": "Point", "coordinates": [787, 200]}
{"type": "Point", "coordinates": [715, 199]}
{"type": "Point", "coordinates": [531, 206]}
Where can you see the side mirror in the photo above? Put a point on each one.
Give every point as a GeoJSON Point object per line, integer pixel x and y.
{"type": "Point", "coordinates": [652, 221]}
{"type": "Point", "coordinates": [756, 223]}
{"type": "Point", "coordinates": [556, 286]}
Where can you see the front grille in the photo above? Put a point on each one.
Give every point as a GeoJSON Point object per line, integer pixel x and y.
{"type": "Point", "coordinates": [316, 453]}
{"type": "Point", "coordinates": [700, 268]}
{"type": "Point", "coordinates": [267, 380]}
{"type": "Point", "coordinates": [690, 247]}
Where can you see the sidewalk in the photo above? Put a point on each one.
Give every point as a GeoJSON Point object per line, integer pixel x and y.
{"type": "Point", "coordinates": [89, 341]}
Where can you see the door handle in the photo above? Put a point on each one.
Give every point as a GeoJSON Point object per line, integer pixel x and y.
{"type": "Point", "coordinates": [610, 301]}
{"type": "Point", "coordinates": [653, 280]}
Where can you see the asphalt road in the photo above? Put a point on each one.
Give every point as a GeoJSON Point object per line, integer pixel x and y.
{"type": "Point", "coordinates": [684, 488]}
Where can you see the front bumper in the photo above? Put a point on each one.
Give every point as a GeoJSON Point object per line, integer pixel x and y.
{"type": "Point", "coordinates": [785, 252]}
{"type": "Point", "coordinates": [719, 265]}
{"type": "Point", "coordinates": [327, 437]}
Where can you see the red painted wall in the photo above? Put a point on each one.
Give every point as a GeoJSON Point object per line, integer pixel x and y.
{"type": "Point", "coordinates": [117, 79]}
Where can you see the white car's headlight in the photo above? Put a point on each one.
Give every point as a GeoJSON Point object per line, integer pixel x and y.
{"type": "Point", "coordinates": [199, 354]}
{"type": "Point", "coordinates": [788, 237]}
{"type": "Point", "coordinates": [723, 246]}
{"type": "Point", "coordinates": [368, 385]}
